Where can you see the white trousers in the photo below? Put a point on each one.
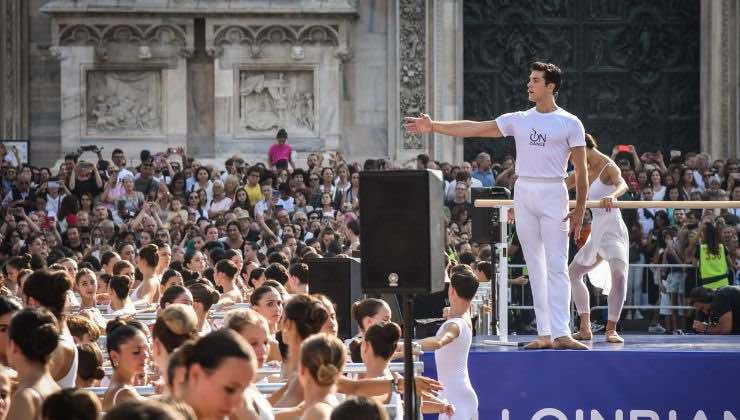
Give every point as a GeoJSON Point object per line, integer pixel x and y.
{"type": "Point", "coordinates": [540, 207]}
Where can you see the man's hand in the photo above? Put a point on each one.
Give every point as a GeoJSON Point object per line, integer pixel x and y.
{"type": "Point", "coordinates": [576, 220]}
{"type": "Point", "coordinates": [420, 125]}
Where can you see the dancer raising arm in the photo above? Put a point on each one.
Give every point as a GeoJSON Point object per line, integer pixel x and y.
{"type": "Point", "coordinates": [545, 137]}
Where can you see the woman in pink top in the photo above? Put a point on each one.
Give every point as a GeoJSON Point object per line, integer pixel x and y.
{"type": "Point", "coordinates": [280, 150]}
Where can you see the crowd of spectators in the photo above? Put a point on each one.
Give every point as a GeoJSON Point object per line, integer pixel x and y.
{"type": "Point", "coordinates": [88, 244]}
{"type": "Point", "coordinates": [89, 247]}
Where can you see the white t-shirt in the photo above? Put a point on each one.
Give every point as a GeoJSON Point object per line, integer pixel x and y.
{"type": "Point", "coordinates": [543, 140]}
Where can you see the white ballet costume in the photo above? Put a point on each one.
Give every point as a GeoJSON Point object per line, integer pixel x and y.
{"type": "Point", "coordinates": [452, 371]}
{"type": "Point", "coordinates": [609, 242]}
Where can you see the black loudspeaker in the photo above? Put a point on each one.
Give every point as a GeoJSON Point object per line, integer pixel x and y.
{"type": "Point", "coordinates": [339, 280]}
{"type": "Point", "coordinates": [402, 231]}
{"type": "Point", "coordinates": [482, 230]}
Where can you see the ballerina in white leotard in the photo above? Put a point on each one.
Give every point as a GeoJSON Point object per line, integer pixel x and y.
{"type": "Point", "coordinates": [609, 242]}
{"type": "Point", "coordinates": [451, 347]}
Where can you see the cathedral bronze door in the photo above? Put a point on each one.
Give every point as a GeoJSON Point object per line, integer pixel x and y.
{"type": "Point", "coordinates": [631, 67]}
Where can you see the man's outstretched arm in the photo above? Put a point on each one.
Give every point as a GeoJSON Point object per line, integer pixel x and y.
{"type": "Point", "coordinates": [424, 124]}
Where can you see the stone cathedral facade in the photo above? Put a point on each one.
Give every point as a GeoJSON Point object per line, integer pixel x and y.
{"type": "Point", "coordinates": [220, 76]}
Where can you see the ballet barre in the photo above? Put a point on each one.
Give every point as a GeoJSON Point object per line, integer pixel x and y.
{"type": "Point", "coordinates": [350, 368]}
{"type": "Point", "coordinates": [389, 408]}
{"type": "Point", "coordinates": [144, 391]}
{"type": "Point", "coordinates": [152, 316]}
{"type": "Point", "coordinates": [630, 204]}
{"type": "Point", "coordinates": [148, 390]}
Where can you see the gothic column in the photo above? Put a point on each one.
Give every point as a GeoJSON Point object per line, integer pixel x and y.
{"type": "Point", "coordinates": [408, 75]}
{"type": "Point", "coordinates": [720, 90]}
{"type": "Point", "coordinates": [14, 69]}
{"type": "Point", "coordinates": [446, 78]}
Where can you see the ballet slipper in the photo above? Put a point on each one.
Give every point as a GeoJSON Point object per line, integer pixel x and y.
{"type": "Point", "coordinates": [538, 344]}
{"type": "Point", "coordinates": [568, 343]}
{"type": "Point", "coordinates": [613, 337]}
{"type": "Point", "coordinates": [583, 336]}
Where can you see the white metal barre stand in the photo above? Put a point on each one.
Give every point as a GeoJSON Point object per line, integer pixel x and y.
{"type": "Point", "coordinates": [501, 279]}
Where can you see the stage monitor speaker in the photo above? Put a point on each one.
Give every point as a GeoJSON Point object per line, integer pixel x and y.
{"type": "Point", "coordinates": [482, 229]}
{"type": "Point", "coordinates": [402, 231]}
{"type": "Point", "coordinates": [339, 280]}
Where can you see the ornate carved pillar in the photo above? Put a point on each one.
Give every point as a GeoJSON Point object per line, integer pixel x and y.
{"type": "Point", "coordinates": [446, 78]}
{"type": "Point", "coordinates": [14, 69]}
{"type": "Point", "coordinates": [720, 91]}
{"type": "Point", "coordinates": [411, 70]}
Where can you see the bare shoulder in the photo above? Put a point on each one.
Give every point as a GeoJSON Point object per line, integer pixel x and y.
{"type": "Point", "coordinates": [319, 411]}
{"type": "Point", "coordinates": [25, 404]}
{"type": "Point", "coordinates": [613, 172]}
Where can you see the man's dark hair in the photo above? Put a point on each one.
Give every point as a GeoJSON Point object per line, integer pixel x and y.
{"type": "Point", "coordinates": [701, 295]}
{"type": "Point", "coordinates": [282, 134]}
{"type": "Point", "coordinates": [552, 73]}
{"type": "Point", "coordinates": [300, 271]}
{"type": "Point", "coordinates": [464, 282]}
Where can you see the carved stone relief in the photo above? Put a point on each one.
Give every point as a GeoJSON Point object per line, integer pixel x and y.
{"type": "Point", "coordinates": [412, 53]}
{"type": "Point", "coordinates": [123, 103]}
{"type": "Point", "coordinates": [276, 99]}
{"type": "Point", "coordinates": [151, 41]}
{"type": "Point", "coordinates": [255, 37]}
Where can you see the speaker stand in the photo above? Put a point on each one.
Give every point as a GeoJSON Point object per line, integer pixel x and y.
{"type": "Point", "coordinates": [500, 276]}
{"type": "Point", "coordinates": [409, 400]}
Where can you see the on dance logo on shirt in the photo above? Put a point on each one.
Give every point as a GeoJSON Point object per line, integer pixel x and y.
{"type": "Point", "coordinates": [537, 139]}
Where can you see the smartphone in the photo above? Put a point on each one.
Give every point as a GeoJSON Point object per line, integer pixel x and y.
{"type": "Point", "coordinates": [624, 148]}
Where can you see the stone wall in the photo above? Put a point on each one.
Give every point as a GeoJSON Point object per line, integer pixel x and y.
{"type": "Point", "coordinates": [43, 76]}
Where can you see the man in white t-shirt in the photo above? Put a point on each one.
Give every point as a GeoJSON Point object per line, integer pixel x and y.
{"type": "Point", "coordinates": [545, 137]}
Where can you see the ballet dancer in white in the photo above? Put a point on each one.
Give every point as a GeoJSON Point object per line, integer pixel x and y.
{"type": "Point", "coordinates": [545, 136]}
{"type": "Point", "coordinates": [451, 346]}
{"type": "Point", "coordinates": [609, 241]}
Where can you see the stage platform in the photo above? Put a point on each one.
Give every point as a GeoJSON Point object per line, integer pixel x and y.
{"type": "Point", "coordinates": [655, 377]}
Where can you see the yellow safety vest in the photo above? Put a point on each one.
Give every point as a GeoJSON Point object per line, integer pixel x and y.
{"type": "Point", "coordinates": [712, 268]}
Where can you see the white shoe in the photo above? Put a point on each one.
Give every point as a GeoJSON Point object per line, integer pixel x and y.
{"type": "Point", "coordinates": [629, 315]}
{"type": "Point", "coordinates": [656, 329]}
{"type": "Point", "coordinates": [638, 315]}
